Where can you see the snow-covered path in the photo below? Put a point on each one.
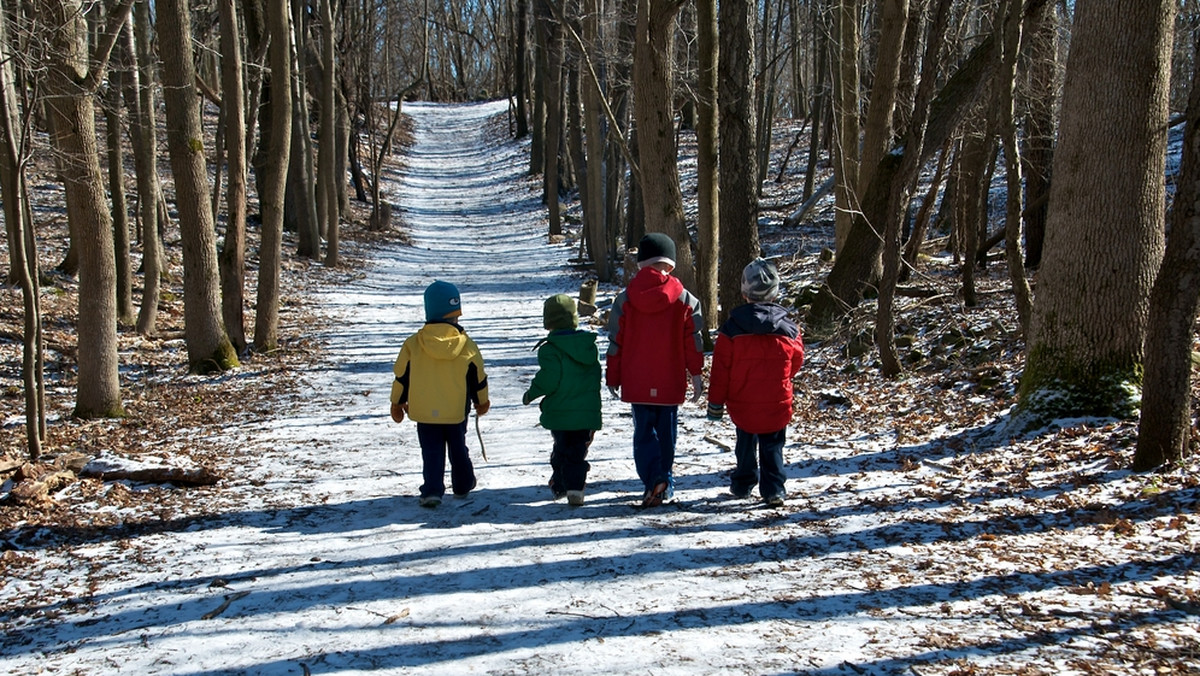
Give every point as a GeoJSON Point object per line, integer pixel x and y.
{"type": "Point", "coordinates": [328, 566]}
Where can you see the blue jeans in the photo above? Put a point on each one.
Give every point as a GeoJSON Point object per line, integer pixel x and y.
{"type": "Point", "coordinates": [654, 430]}
{"type": "Point", "coordinates": [438, 441]}
{"type": "Point", "coordinates": [769, 453]}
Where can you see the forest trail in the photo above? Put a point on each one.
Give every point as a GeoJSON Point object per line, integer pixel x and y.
{"type": "Point", "coordinates": [891, 556]}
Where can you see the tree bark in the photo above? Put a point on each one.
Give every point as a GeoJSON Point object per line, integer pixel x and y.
{"type": "Point", "coordinates": [846, 119]}
{"type": "Point", "coordinates": [708, 220]}
{"type": "Point", "coordinates": [738, 153]}
{"type": "Point", "coordinates": [143, 132]}
{"type": "Point", "coordinates": [233, 250]}
{"type": "Point", "coordinates": [208, 347]}
{"type": "Point", "coordinates": [72, 78]}
{"type": "Point", "coordinates": [1164, 432]}
{"type": "Point", "coordinates": [271, 186]}
{"type": "Point", "coordinates": [1104, 234]}
{"type": "Point", "coordinates": [654, 87]}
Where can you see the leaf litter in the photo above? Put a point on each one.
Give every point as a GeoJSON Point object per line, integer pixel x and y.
{"type": "Point", "coordinates": [921, 534]}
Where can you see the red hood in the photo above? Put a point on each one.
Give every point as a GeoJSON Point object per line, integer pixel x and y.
{"type": "Point", "coordinates": [652, 291]}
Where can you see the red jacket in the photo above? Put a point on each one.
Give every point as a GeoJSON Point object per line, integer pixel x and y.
{"type": "Point", "coordinates": [758, 352]}
{"type": "Point", "coordinates": [654, 340]}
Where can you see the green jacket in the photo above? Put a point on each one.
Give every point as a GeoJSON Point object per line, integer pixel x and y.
{"type": "Point", "coordinates": [569, 378]}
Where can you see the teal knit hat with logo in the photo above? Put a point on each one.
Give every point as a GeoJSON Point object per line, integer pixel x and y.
{"type": "Point", "coordinates": [442, 301]}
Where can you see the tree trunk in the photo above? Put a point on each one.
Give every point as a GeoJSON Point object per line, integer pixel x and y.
{"type": "Point", "coordinates": [708, 201]}
{"type": "Point", "coordinates": [145, 152]}
{"type": "Point", "coordinates": [1104, 234]}
{"type": "Point", "coordinates": [301, 196]}
{"type": "Point", "coordinates": [233, 251]}
{"type": "Point", "coordinates": [116, 193]}
{"type": "Point", "coordinates": [738, 153]}
{"type": "Point", "coordinates": [70, 87]}
{"type": "Point", "coordinates": [327, 176]}
{"type": "Point", "coordinates": [271, 186]}
{"type": "Point", "coordinates": [209, 349]}
{"type": "Point", "coordinates": [846, 118]}
{"type": "Point", "coordinates": [1006, 82]}
{"type": "Point", "coordinates": [858, 265]}
{"type": "Point", "coordinates": [14, 191]}
{"type": "Point", "coordinates": [600, 241]}
{"type": "Point", "coordinates": [1040, 89]}
{"type": "Point", "coordinates": [552, 55]}
{"type": "Point", "coordinates": [654, 88]}
{"type": "Point", "coordinates": [1164, 432]}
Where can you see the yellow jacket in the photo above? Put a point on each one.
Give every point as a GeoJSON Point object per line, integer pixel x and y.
{"type": "Point", "coordinates": [439, 372]}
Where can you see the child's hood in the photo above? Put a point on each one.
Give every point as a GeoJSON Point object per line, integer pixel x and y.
{"type": "Point", "coordinates": [442, 340]}
{"type": "Point", "coordinates": [578, 345]}
{"type": "Point", "coordinates": [760, 319]}
{"type": "Point", "coordinates": [652, 290]}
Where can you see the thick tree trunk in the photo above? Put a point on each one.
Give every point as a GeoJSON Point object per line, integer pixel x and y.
{"type": "Point", "coordinates": [208, 347]}
{"type": "Point", "coordinates": [1104, 234]}
{"type": "Point", "coordinates": [1165, 429]}
{"type": "Point", "coordinates": [739, 157]}
{"type": "Point", "coordinates": [71, 107]}
{"type": "Point", "coordinates": [654, 88]}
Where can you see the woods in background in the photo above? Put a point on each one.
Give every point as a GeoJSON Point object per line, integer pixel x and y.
{"type": "Point", "coordinates": [911, 108]}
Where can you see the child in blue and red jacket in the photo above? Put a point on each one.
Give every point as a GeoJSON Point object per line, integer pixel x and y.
{"type": "Point", "coordinates": [758, 352]}
{"type": "Point", "coordinates": [655, 342]}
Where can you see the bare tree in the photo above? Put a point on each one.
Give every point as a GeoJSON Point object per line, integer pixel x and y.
{"type": "Point", "coordinates": [274, 174]}
{"type": "Point", "coordinates": [738, 152]}
{"type": "Point", "coordinates": [233, 106]}
{"type": "Point", "coordinates": [654, 88]}
{"type": "Point", "coordinates": [15, 151]}
{"type": "Point", "coordinates": [73, 77]}
{"type": "Point", "coordinates": [208, 346]}
{"type": "Point", "coordinates": [1164, 431]}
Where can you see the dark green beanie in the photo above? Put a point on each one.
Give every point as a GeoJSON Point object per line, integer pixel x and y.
{"type": "Point", "coordinates": [559, 313]}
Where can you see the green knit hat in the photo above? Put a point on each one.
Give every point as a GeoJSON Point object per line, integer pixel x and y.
{"type": "Point", "coordinates": [559, 313]}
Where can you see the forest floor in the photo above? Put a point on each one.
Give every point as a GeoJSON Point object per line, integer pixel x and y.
{"type": "Point", "coordinates": [922, 533]}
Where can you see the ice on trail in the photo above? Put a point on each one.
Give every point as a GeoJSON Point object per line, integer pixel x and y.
{"type": "Point", "coordinates": [328, 565]}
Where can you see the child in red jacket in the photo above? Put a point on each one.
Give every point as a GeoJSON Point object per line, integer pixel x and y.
{"type": "Point", "coordinates": [655, 342]}
{"type": "Point", "coordinates": [758, 352]}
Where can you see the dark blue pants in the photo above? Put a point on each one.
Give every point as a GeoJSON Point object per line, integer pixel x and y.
{"type": "Point", "coordinates": [769, 453]}
{"type": "Point", "coordinates": [654, 429]}
{"type": "Point", "coordinates": [438, 441]}
{"type": "Point", "coordinates": [568, 459]}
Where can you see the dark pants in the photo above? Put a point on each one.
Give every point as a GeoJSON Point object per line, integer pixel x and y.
{"type": "Point", "coordinates": [568, 459]}
{"type": "Point", "coordinates": [770, 452]}
{"type": "Point", "coordinates": [438, 441]}
{"type": "Point", "coordinates": [654, 443]}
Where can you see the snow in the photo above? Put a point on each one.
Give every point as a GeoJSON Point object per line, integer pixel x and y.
{"type": "Point", "coordinates": [325, 563]}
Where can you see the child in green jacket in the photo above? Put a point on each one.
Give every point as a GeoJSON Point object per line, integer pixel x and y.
{"type": "Point", "coordinates": [569, 378]}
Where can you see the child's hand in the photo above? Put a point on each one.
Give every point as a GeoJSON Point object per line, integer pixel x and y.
{"type": "Point", "coordinates": [525, 399]}
{"type": "Point", "coordinates": [398, 411]}
{"type": "Point", "coordinates": [715, 412]}
{"type": "Point", "coordinates": [615, 391]}
{"type": "Point", "coordinates": [483, 407]}
{"type": "Point", "coordinates": [697, 388]}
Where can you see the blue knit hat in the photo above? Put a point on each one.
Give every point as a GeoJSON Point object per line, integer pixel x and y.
{"type": "Point", "coordinates": [442, 301]}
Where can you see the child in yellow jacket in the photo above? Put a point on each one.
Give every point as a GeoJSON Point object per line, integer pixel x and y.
{"type": "Point", "coordinates": [439, 374]}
